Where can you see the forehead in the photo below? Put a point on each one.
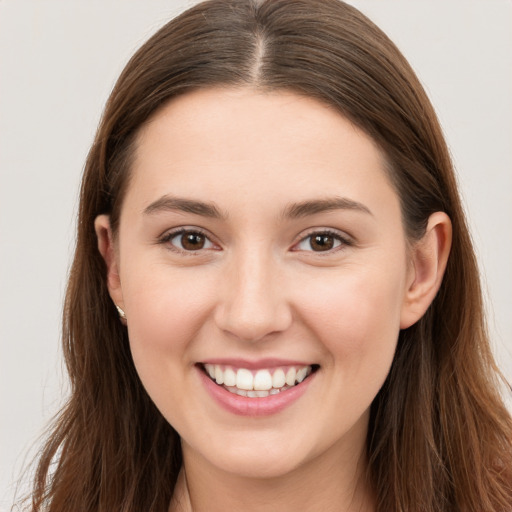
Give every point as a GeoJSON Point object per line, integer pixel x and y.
{"type": "Point", "coordinates": [245, 144]}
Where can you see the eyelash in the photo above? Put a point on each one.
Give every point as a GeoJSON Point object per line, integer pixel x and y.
{"type": "Point", "coordinates": [343, 241]}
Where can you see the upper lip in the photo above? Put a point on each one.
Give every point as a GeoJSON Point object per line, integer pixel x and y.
{"type": "Point", "coordinates": [256, 363]}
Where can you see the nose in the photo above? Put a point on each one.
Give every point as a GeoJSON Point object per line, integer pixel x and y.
{"type": "Point", "coordinates": [253, 302]}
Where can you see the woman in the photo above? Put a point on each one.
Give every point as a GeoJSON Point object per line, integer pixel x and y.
{"type": "Point", "coordinates": [274, 300]}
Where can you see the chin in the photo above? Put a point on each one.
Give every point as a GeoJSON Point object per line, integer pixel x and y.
{"type": "Point", "coordinates": [261, 465]}
{"type": "Point", "coordinates": [254, 457]}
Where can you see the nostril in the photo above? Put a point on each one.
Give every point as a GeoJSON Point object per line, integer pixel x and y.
{"type": "Point", "coordinates": [254, 326]}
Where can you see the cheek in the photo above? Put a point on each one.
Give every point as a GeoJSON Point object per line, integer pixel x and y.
{"type": "Point", "coordinates": [164, 316]}
{"type": "Point", "coordinates": [165, 312]}
{"type": "Point", "coordinates": [357, 318]}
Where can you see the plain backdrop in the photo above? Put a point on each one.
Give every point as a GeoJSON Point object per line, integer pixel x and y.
{"type": "Point", "coordinates": [58, 62]}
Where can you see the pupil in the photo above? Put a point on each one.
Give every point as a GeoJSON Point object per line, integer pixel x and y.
{"type": "Point", "coordinates": [322, 242]}
{"type": "Point", "coordinates": [192, 241]}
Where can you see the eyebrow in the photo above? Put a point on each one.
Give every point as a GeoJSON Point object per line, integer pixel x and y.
{"type": "Point", "coordinates": [169, 203]}
{"type": "Point", "coordinates": [311, 207]}
{"type": "Point", "coordinates": [292, 211]}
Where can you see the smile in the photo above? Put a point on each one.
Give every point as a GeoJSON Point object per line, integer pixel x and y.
{"type": "Point", "coordinates": [258, 383]}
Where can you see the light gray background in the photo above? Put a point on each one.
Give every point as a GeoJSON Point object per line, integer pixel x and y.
{"type": "Point", "coordinates": [58, 62]}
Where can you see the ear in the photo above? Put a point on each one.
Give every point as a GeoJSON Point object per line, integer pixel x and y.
{"type": "Point", "coordinates": [107, 249]}
{"type": "Point", "coordinates": [428, 260]}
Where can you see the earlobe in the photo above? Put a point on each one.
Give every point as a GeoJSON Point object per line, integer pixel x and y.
{"type": "Point", "coordinates": [107, 250]}
{"type": "Point", "coordinates": [429, 257]}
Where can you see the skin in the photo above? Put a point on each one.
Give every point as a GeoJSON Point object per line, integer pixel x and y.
{"type": "Point", "coordinates": [258, 288]}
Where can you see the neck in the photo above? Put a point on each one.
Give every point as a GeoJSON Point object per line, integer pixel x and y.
{"type": "Point", "coordinates": [324, 484]}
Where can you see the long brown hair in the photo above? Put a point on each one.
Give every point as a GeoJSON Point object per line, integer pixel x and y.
{"type": "Point", "coordinates": [440, 438]}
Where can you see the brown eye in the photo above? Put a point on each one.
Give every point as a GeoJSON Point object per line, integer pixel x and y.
{"type": "Point", "coordinates": [192, 241]}
{"type": "Point", "coordinates": [189, 241]}
{"type": "Point", "coordinates": [321, 242]}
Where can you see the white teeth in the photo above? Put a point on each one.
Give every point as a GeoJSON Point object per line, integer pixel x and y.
{"type": "Point", "coordinates": [263, 380]}
{"type": "Point", "coordinates": [278, 379]}
{"type": "Point", "coordinates": [244, 379]}
{"type": "Point", "coordinates": [256, 384]}
{"type": "Point", "coordinates": [219, 375]}
{"type": "Point", "coordinates": [301, 374]}
{"type": "Point", "coordinates": [290, 377]}
{"type": "Point", "coordinates": [229, 377]}
{"type": "Point", "coordinates": [210, 368]}
{"type": "Point", "coordinates": [251, 393]}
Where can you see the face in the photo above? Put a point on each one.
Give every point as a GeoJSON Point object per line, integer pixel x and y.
{"type": "Point", "coordinates": [260, 245]}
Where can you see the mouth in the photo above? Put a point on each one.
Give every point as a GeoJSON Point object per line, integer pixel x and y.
{"type": "Point", "coordinates": [257, 383]}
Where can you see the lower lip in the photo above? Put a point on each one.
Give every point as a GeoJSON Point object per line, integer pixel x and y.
{"type": "Point", "coordinates": [259, 406]}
